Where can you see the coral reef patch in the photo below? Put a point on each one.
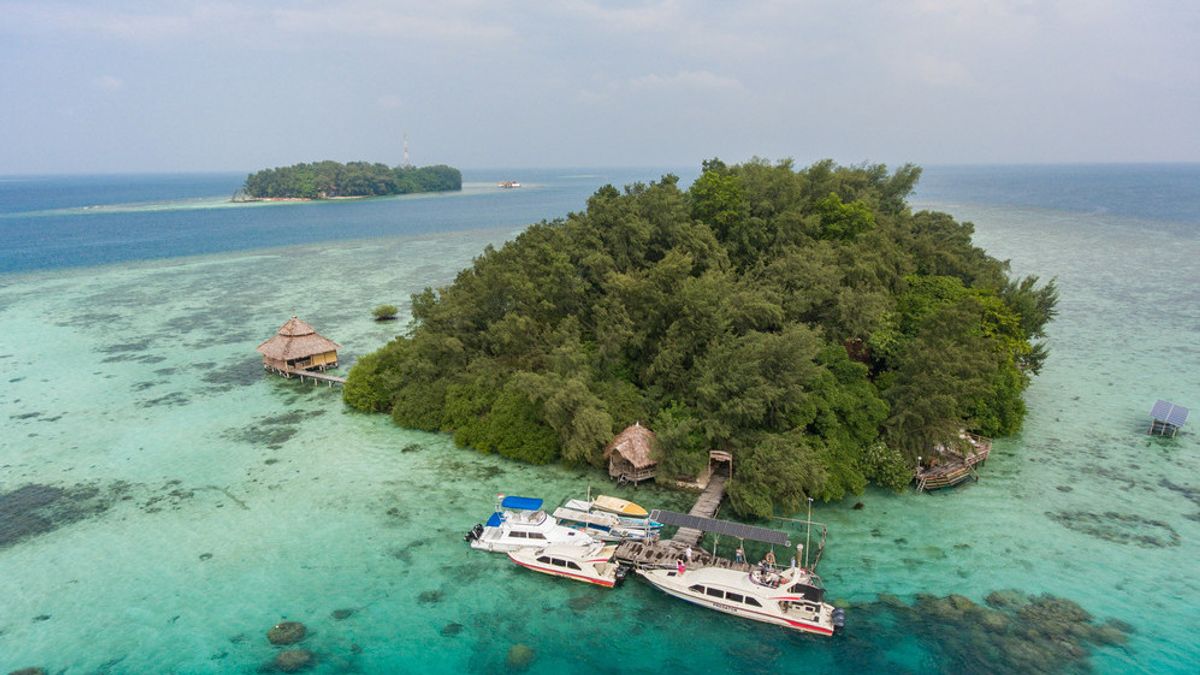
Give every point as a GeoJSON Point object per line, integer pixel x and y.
{"type": "Point", "coordinates": [1119, 528]}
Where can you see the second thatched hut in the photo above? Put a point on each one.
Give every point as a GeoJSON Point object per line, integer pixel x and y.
{"type": "Point", "coordinates": [629, 457]}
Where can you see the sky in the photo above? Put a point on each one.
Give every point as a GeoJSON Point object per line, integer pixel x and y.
{"type": "Point", "coordinates": [118, 86]}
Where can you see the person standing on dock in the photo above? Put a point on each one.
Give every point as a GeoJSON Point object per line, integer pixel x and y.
{"type": "Point", "coordinates": [740, 556]}
{"type": "Point", "coordinates": [687, 554]}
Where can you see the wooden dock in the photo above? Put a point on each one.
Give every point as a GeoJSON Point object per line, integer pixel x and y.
{"type": "Point", "coordinates": [315, 376]}
{"type": "Point", "coordinates": [706, 507]}
{"type": "Point", "coordinates": [667, 552]}
{"type": "Point", "coordinates": [954, 468]}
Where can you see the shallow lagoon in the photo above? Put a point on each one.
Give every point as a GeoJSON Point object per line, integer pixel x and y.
{"type": "Point", "coordinates": [191, 502]}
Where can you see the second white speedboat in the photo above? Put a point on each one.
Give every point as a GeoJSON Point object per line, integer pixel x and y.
{"type": "Point", "coordinates": [591, 564]}
{"type": "Point", "coordinates": [520, 522]}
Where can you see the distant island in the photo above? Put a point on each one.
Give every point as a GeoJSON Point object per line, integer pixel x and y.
{"type": "Point", "coordinates": [806, 321]}
{"type": "Point", "coordinates": [334, 180]}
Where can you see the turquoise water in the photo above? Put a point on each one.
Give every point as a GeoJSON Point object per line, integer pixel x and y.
{"type": "Point", "coordinates": [166, 503]}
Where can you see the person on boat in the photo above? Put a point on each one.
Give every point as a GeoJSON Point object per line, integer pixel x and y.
{"type": "Point", "coordinates": [679, 566]}
{"type": "Point", "coordinates": [687, 554]}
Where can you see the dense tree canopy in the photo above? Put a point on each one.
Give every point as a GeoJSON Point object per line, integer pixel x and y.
{"type": "Point", "coordinates": [805, 320]}
{"type": "Point", "coordinates": [328, 179]}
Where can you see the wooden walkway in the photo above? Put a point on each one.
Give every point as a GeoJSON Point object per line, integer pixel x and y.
{"type": "Point", "coordinates": [666, 553]}
{"type": "Point", "coordinates": [954, 467]}
{"type": "Point", "coordinates": [706, 507]}
{"type": "Point", "coordinates": [329, 380]}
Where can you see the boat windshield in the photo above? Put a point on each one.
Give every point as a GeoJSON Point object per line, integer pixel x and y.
{"type": "Point", "coordinates": [526, 517]}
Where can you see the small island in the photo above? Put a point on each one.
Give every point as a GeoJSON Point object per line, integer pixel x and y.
{"type": "Point", "coordinates": [807, 325]}
{"type": "Point", "coordinates": [334, 180]}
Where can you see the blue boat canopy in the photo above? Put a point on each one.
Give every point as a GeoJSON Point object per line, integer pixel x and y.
{"type": "Point", "coordinates": [521, 503]}
{"type": "Point", "coordinates": [495, 520]}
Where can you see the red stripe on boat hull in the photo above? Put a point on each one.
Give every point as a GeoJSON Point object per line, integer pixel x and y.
{"type": "Point", "coordinates": [560, 573]}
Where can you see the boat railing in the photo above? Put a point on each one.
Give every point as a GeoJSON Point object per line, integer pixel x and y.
{"type": "Point", "coordinates": [775, 576]}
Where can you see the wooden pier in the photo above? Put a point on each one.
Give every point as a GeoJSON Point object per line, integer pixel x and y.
{"type": "Point", "coordinates": [313, 375]}
{"type": "Point", "coordinates": [667, 552]}
{"type": "Point", "coordinates": [706, 507]}
{"type": "Point", "coordinates": [953, 467]}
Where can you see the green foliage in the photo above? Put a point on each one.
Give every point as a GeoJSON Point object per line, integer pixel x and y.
{"type": "Point", "coordinates": [368, 390]}
{"type": "Point", "coordinates": [886, 467]}
{"type": "Point", "coordinates": [843, 221]}
{"type": "Point", "coordinates": [804, 320]}
{"type": "Point", "coordinates": [328, 179]}
{"type": "Point", "coordinates": [680, 446]}
{"type": "Point", "coordinates": [780, 472]}
{"type": "Point", "coordinates": [384, 312]}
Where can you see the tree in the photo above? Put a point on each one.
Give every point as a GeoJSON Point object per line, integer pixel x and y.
{"type": "Point", "coordinates": [385, 312]}
{"type": "Point", "coordinates": [804, 319]}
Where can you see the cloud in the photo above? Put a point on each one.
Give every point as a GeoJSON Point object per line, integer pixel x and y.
{"type": "Point", "coordinates": [417, 22]}
{"type": "Point", "coordinates": [938, 72]}
{"type": "Point", "coordinates": [693, 80]}
{"type": "Point", "coordinates": [732, 30]}
{"type": "Point", "coordinates": [107, 83]}
{"type": "Point", "coordinates": [369, 19]}
{"type": "Point", "coordinates": [390, 102]}
{"type": "Point", "coordinates": [682, 82]}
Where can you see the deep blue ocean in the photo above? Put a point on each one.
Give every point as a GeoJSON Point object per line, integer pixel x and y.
{"type": "Point", "coordinates": [73, 221]}
{"type": "Point", "coordinates": [150, 216]}
{"type": "Point", "coordinates": [163, 502]}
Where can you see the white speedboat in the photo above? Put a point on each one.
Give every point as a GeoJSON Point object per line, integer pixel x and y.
{"type": "Point", "coordinates": [790, 598]}
{"type": "Point", "coordinates": [520, 522]}
{"type": "Point", "coordinates": [591, 564]}
{"type": "Point", "coordinates": [604, 526]}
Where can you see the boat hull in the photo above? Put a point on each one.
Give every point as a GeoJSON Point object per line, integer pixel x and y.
{"type": "Point", "coordinates": [621, 507]}
{"type": "Point", "coordinates": [745, 612]}
{"type": "Point", "coordinates": [566, 574]}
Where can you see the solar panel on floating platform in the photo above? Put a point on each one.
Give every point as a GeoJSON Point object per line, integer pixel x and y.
{"type": "Point", "coordinates": [721, 527]}
{"type": "Point", "coordinates": [1165, 411]}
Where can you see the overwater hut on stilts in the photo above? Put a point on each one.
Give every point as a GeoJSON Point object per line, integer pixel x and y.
{"type": "Point", "coordinates": [1167, 418]}
{"type": "Point", "coordinates": [297, 348]}
{"type": "Point", "coordinates": [628, 455]}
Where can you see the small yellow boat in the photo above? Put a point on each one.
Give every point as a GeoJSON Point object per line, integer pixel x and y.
{"type": "Point", "coordinates": [621, 507]}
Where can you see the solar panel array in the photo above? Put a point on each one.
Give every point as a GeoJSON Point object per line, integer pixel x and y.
{"type": "Point", "coordinates": [721, 527]}
{"type": "Point", "coordinates": [1165, 411]}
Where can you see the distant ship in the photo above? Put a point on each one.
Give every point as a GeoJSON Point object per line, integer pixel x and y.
{"type": "Point", "coordinates": [508, 184]}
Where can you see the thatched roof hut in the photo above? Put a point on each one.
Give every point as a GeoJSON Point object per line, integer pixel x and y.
{"type": "Point", "coordinates": [628, 454]}
{"type": "Point", "coordinates": [297, 346]}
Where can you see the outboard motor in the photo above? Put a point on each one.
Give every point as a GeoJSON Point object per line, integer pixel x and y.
{"type": "Point", "coordinates": [622, 572]}
{"type": "Point", "coordinates": [839, 619]}
{"type": "Point", "coordinates": [474, 533]}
